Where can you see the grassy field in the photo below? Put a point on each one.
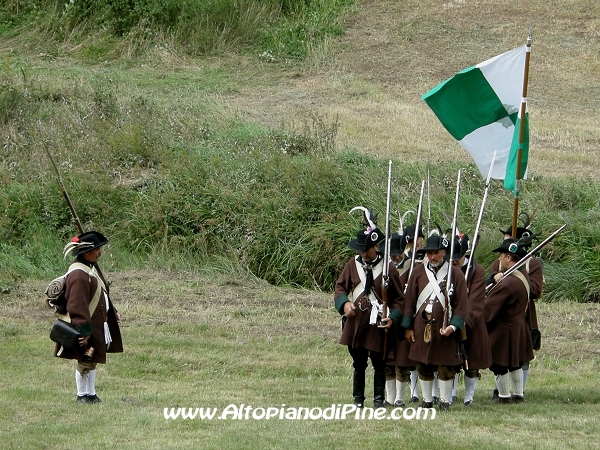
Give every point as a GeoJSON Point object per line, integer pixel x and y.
{"type": "Point", "coordinates": [172, 151]}
{"type": "Point", "coordinates": [199, 340]}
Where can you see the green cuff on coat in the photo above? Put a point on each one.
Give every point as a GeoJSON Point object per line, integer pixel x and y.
{"type": "Point", "coordinates": [85, 329]}
{"type": "Point", "coordinates": [457, 321]}
{"type": "Point", "coordinates": [407, 322]}
{"type": "Point", "coordinates": [395, 316]}
{"type": "Point", "coordinates": [340, 301]}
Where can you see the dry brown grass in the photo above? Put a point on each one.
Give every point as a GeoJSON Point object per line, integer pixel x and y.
{"type": "Point", "coordinates": [392, 52]}
{"type": "Point", "coordinates": [570, 331]}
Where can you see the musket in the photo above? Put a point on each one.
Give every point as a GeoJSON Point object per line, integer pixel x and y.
{"type": "Point", "coordinates": [416, 237]}
{"type": "Point", "coordinates": [448, 310]}
{"type": "Point", "coordinates": [65, 194]}
{"type": "Point", "coordinates": [386, 257]}
{"type": "Point", "coordinates": [478, 226]}
{"type": "Point", "coordinates": [525, 259]}
{"type": "Point", "coordinates": [428, 198]}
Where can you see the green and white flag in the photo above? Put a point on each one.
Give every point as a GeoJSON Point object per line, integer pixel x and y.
{"type": "Point", "coordinates": [479, 107]}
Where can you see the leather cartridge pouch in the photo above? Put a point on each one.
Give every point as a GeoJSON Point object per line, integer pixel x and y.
{"type": "Point", "coordinates": [65, 334]}
{"type": "Point", "coordinates": [427, 331]}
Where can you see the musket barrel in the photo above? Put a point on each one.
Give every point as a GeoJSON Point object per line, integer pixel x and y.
{"type": "Point", "coordinates": [416, 237]}
{"type": "Point", "coordinates": [479, 218]}
{"type": "Point", "coordinates": [452, 239]}
{"type": "Point", "coordinates": [72, 209]}
{"type": "Point", "coordinates": [525, 258]}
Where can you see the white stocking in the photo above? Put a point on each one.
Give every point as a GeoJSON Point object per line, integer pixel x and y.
{"type": "Point", "coordinates": [91, 382]}
{"type": "Point", "coordinates": [82, 383]}
{"type": "Point", "coordinates": [470, 384]}
{"type": "Point", "coordinates": [426, 390]}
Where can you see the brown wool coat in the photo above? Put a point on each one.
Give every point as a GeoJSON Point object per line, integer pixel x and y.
{"type": "Point", "coordinates": [477, 344]}
{"type": "Point", "coordinates": [398, 357]}
{"type": "Point", "coordinates": [357, 332]}
{"type": "Point", "coordinates": [504, 312]}
{"type": "Point", "coordinates": [442, 350]}
{"type": "Point", "coordinates": [80, 289]}
{"type": "Point", "coordinates": [536, 286]}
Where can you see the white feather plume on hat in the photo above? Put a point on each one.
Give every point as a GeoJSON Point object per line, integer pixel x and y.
{"type": "Point", "coordinates": [76, 246]}
{"type": "Point", "coordinates": [370, 221]}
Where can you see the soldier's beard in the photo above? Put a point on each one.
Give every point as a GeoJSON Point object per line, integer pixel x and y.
{"type": "Point", "coordinates": [435, 264]}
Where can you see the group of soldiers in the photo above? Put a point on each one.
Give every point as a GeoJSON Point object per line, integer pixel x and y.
{"type": "Point", "coordinates": [411, 323]}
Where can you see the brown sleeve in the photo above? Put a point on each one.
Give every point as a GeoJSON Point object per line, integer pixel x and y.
{"type": "Point", "coordinates": [536, 278]}
{"type": "Point", "coordinates": [79, 292]}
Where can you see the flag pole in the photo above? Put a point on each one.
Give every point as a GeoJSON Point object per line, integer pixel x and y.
{"type": "Point", "coordinates": [521, 136]}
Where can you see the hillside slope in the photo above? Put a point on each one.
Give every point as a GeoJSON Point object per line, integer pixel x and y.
{"type": "Point", "coordinates": [372, 78]}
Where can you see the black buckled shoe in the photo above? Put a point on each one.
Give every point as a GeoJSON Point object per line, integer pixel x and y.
{"type": "Point", "coordinates": [425, 404]}
{"type": "Point", "coordinates": [399, 404]}
{"type": "Point", "coordinates": [518, 399]}
{"type": "Point", "coordinates": [82, 399]}
{"type": "Point", "coordinates": [444, 406]}
{"type": "Point", "coordinates": [503, 400]}
{"type": "Point", "coordinates": [414, 399]}
{"type": "Point", "coordinates": [93, 399]}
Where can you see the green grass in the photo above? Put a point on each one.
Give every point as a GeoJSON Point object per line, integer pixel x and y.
{"type": "Point", "coordinates": [223, 161]}
{"type": "Point", "coordinates": [195, 341]}
{"type": "Point", "coordinates": [156, 154]}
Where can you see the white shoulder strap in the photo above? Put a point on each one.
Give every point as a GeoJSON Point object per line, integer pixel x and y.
{"type": "Point", "coordinates": [433, 287]}
{"type": "Point", "coordinates": [91, 272]}
{"type": "Point", "coordinates": [521, 277]}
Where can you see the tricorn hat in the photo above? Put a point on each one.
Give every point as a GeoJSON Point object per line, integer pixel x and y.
{"type": "Point", "coordinates": [523, 231]}
{"type": "Point", "coordinates": [366, 238]}
{"type": "Point", "coordinates": [84, 243]}
{"type": "Point", "coordinates": [395, 245]}
{"type": "Point", "coordinates": [436, 242]}
{"type": "Point", "coordinates": [511, 246]}
{"type": "Point", "coordinates": [462, 245]}
{"type": "Point", "coordinates": [409, 235]}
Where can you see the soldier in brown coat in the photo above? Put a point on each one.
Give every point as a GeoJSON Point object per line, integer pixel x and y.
{"type": "Point", "coordinates": [401, 370]}
{"type": "Point", "coordinates": [358, 297]}
{"type": "Point", "coordinates": [535, 271]}
{"type": "Point", "coordinates": [99, 328]}
{"type": "Point", "coordinates": [435, 340]}
{"type": "Point", "coordinates": [477, 343]}
{"type": "Point", "coordinates": [504, 312]}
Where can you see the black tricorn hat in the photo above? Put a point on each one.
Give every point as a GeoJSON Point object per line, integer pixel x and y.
{"type": "Point", "coordinates": [409, 235]}
{"type": "Point", "coordinates": [85, 242]}
{"type": "Point", "coordinates": [521, 232]}
{"type": "Point", "coordinates": [436, 242]}
{"type": "Point", "coordinates": [511, 246]}
{"type": "Point", "coordinates": [365, 239]}
{"type": "Point", "coordinates": [461, 246]}
{"type": "Point", "coordinates": [395, 245]}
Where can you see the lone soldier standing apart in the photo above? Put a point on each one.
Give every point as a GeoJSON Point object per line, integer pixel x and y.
{"type": "Point", "coordinates": [358, 297]}
{"type": "Point", "coordinates": [91, 311]}
{"type": "Point", "coordinates": [504, 311]}
{"type": "Point", "coordinates": [434, 345]}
